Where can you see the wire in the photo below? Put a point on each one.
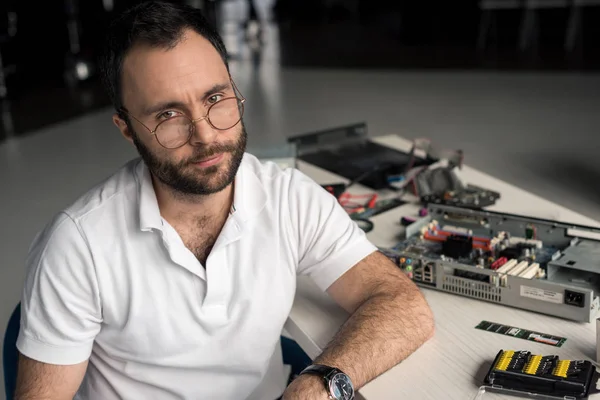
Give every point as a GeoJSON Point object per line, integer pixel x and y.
{"type": "Point", "coordinates": [364, 224]}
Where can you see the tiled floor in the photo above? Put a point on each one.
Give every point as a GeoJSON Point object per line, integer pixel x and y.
{"type": "Point", "coordinates": [536, 130]}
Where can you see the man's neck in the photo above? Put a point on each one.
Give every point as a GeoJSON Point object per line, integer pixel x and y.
{"type": "Point", "coordinates": [177, 207]}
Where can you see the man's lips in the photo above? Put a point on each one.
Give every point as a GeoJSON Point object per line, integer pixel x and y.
{"type": "Point", "coordinates": [209, 161]}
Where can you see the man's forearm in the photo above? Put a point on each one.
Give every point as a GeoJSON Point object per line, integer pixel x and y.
{"type": "Point", "coordinates": [381, 333]}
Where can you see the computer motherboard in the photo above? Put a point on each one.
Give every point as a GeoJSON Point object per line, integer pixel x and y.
{"type": "Point", "coordinates": [534, 264]}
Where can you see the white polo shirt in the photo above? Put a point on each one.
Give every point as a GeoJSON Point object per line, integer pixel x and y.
{"type": "Point", "coordinates": [110, 280]}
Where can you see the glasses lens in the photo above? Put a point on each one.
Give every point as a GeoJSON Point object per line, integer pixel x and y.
{"type": "Point", "coordinates": [226, 113]}
{"type": "Point", "coordinates": [174, 132]}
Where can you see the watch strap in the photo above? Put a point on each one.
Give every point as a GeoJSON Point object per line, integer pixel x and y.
{"type": "Point", "coordinates": [326, 373]}
{"type": "Point", "coordinates": [318, 369]}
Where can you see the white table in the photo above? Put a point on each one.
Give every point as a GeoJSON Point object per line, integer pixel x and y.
{"type": "Point", "coordinates": [453, 363]}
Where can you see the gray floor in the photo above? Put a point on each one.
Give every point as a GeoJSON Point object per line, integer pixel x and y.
{"type": "Point", "coordinates": [539, 132]}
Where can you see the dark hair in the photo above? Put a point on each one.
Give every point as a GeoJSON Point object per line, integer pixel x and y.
{"type": "Point", "coordinates": [153, 23]}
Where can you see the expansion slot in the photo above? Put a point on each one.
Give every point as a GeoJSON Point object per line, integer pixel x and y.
{"type": "Point", "coordinates": [531, 272]}
{"type": "Point", "coordinates": [519, 268]}
{"type": "Point", "coordinates": [507, 266]}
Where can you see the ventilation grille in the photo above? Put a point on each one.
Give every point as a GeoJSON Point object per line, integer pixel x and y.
{"type": "Point", "coordinates": [467, 287]}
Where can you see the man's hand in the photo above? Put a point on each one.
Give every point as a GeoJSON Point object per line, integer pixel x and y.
{"type": "Point", "coordinates": [306, 387]}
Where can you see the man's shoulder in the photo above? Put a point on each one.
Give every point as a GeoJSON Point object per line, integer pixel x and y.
{"type": "Point", "coordinates": [66, 228]}
{"type": "Point", "coordinates": [102, 196]}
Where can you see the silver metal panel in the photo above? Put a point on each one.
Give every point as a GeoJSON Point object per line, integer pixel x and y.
{"type": "Point", "coordinates": [569, 290]}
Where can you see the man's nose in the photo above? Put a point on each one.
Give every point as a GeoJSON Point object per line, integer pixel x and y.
{"type": "Point", "coordinates": [203, 132]}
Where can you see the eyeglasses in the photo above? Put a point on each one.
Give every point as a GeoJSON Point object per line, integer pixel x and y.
{"type": "Point", "coordinates": [175, 132]}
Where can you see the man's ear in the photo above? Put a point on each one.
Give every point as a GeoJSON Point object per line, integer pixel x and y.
{"type": "Point", "coordinates": [123, 127]}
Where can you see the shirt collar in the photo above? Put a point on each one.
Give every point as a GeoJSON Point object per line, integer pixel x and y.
{"type": "Point", "coordinates": [150, 217]}
{"type": "Point", "coordinates": [249, 196]}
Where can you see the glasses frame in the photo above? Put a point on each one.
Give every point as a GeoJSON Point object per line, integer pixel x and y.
{"type": "Point", "coordinates": [241, 100]}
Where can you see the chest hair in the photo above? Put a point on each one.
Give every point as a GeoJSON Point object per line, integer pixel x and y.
{"type": "Point", "coordinates": [200, 237]}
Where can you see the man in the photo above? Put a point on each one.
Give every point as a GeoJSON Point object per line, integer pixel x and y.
{"type": "Point", "coordinates": [173, 278]}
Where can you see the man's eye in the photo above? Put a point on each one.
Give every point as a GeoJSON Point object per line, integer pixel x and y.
{"type": "Point", "coordinates": [168, 114]}
{"type": "Point", "coordinates": [214, 98]}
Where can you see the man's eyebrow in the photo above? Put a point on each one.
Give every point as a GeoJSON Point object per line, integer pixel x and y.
{"type": "Point", "coordinates": [161, 106]}
{"type": "Point", "coordinates": [154, 108]}
{"type": "Point", "coordinates": [219, 87]}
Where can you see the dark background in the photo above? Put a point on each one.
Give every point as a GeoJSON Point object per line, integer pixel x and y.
{"type": "Point", "coordinates": [313, 33]}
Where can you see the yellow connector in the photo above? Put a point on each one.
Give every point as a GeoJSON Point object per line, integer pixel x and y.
{"type": "Point", "coordinates": [532, 365]}
{"type": "Point", "coordinates": [504, 360]}
{"type": "Point", "coordinates": [562, 366]}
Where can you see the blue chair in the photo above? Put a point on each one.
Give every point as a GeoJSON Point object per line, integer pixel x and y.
{"type": "Point", "coordinates": [10, 355]}
{"type": "Point", "coordinates": [294, 356]}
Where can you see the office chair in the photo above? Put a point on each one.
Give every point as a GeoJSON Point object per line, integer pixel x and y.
{"type": "Point", "coordinates": [10, 356]}
{"type": "Point", "coordinates": [294, 356]}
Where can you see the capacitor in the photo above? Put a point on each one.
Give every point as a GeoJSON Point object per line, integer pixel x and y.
{"type": "Point", "coordinates": [526, 252]}
{"type": "Point", "coordinates": [480, 262]}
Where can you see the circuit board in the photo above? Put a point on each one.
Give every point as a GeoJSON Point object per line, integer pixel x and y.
{"type": "Point", "coordinates": [512, 260]}
{"type": "Point", "coordinates": [535, 375]}
{"type": "Point", "coordinates": [434, 250]}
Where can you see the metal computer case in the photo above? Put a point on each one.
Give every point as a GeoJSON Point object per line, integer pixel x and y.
{"type": "Point", "coordinates": [570, 281]}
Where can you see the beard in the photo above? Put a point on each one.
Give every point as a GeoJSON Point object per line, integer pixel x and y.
{"type": "Point", "coordinates": [183, 179]}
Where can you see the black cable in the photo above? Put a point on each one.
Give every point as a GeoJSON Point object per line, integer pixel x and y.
{"type": "Point", "coordinates": [364, 224]}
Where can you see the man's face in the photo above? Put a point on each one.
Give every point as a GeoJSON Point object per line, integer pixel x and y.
{"type": "Point", "coordinates": [159, 84]}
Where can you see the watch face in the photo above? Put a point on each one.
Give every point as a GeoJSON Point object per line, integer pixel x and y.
{"type": "Point", "coordinates": [340, 387]}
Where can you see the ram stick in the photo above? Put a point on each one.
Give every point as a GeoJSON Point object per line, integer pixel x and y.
{"type": "Point", "coordinates": [521, 333]}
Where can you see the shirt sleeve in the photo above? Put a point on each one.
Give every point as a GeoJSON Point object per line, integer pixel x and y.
{"type": "Point", "coordinates": [330, 242]}
{"type": "Point", "coordinates": [60, 305]}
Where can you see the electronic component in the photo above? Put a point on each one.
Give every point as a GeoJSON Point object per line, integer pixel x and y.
{"type": "Point", "coordinates": [380, 207]}
{"type": "Point", "coordinates": [520, 333]}
{"type": "Point", "coordinates": [441, 185]}
{"type": "Point", "coordinates": [348, 151]}
{"type": "Point", "coordinates": [335, 189]}
{"type": "Point", "coordinates": [457, 246]}
{"type": "Point", "coordinates": [364, 224]}
{"type": "Point", "coordinates": [541, 375]}
{"type": "Point", "coordinates": [405, 221]}
{"type": "Point", "coordinates": [598, 340]}
{"type": "Point", "coordinates": [534, 264]}
{"type": "Point", "coordinates": [510, 253]}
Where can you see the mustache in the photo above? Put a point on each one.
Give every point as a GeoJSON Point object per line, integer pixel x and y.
{"type": "Point", "coordinates": [201, 154]}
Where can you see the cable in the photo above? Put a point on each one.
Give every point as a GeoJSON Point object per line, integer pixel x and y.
{"type": "Point", "coordinates": [364, 224]}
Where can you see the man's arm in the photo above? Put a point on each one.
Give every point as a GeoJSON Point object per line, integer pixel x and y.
{"type": "Point", "coordinates": [61, 313]}
{"type": "Point", "coordinates": [389, 317]}
{"type": "Point", "coordinates": [389, 320]}
{"type": "Point", "coordinates": [40, 381]}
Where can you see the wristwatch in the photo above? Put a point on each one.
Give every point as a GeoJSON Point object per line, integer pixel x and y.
{"type": "Point", "coordinates": [337, 384]}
